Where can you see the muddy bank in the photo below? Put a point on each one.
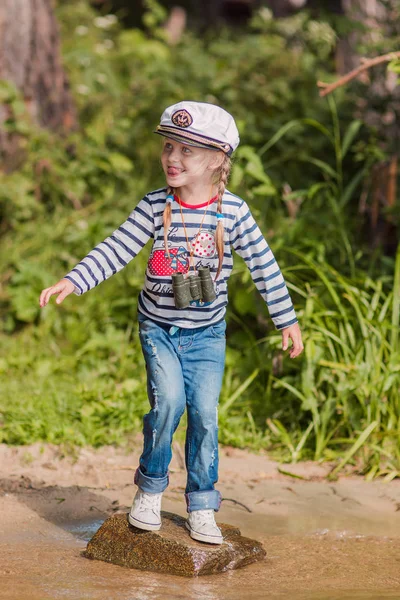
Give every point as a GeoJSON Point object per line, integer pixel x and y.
{"type": "Point", "coordinates": [324, 540]}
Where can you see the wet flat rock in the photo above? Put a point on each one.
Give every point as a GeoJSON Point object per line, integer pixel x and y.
{"type": "Point", "coordinates": [171, 549]}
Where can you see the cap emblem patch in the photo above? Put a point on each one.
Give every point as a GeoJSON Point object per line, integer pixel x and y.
{"type": "Point", "coordinates": [181, 118]}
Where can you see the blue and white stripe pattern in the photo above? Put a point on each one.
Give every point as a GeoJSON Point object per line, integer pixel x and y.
{"type": "Point", "coordinates": [156, 298]}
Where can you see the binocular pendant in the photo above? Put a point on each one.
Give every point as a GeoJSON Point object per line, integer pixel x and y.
{"type": "Point", "coordinates": [194, 287]}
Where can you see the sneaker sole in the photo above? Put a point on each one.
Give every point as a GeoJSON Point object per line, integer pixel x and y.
{"type": "Point", "coordinates": [142, 525]}
{"type": "Point", "coordinates": [202, 537]}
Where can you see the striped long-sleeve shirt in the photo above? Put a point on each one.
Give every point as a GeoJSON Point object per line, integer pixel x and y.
{"type": "Point", "coordinates": [156, 299]}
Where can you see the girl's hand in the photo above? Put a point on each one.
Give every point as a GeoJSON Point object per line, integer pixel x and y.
{"type": "Point", "coordinates": [64, 287]}
{"type": "Point", "coordinates": [293, 332]}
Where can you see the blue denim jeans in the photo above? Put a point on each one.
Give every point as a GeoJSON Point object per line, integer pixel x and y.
{"type": "Point", "coordinates": [184, 370]}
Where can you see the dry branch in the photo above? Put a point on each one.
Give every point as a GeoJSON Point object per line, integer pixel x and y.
{"type": "Point", "coordinates": [327, 88]}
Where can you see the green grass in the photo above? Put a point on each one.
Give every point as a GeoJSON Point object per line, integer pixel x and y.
{"type": "Point", "coordinates": [95, 395]}
{"type": "Point", "coordinates": [349, 379]}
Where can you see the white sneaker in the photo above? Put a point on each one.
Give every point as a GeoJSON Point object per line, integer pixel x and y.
{"type": "Point", "coordinates": [145, 511]}
{"type": "Point", "coordinates": [202, 527]}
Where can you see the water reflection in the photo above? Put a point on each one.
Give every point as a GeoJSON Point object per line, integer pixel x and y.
{"type": "Point", "coordinates": [84, 530]}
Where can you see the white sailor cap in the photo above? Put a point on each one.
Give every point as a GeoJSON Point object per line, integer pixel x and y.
{"type": "Point", "coordinates": [200, 124]}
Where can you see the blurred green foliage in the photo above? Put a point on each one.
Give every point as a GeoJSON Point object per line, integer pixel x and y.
{"type": "Point", "coordinates": [75, 372]}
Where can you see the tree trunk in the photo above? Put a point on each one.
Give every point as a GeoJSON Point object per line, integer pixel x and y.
{"type": "Point", "coordinates": [30, 58]}
{"type": "Point", "coordinates": [370, 13]}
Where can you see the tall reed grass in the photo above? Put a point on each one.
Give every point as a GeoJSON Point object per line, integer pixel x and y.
{"type": "Point", "coordinates": [349, 380]}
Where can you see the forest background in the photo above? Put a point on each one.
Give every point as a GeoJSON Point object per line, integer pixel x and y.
{"type": "Point", "coordinates": [320, 175]}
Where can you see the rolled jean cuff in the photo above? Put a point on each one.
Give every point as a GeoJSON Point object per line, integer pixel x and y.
{"type": "Point", "coordinates": [202, 500]}
{"type": "Point", "coordinates": [151, 485]}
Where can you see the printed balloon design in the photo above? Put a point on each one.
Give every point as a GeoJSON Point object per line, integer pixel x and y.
{"type": "Point", "coordinates": [161, 265]}
{"type": "Point", "coordinates": [204, 244]}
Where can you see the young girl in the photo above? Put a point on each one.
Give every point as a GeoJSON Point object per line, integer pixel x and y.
{"type": "Point", "coordinates": [194, 222]}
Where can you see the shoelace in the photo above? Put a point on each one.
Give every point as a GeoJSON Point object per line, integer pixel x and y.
{"type": "Point", "coordinates": [149, 501]}
{"type": "Point", "coordinates": [204, 517]}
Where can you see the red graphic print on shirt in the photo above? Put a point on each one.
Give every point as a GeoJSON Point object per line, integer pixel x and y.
{"type": "Point", "coordinates": [204, 244]}
{"type": "Point", "coordinates": [159, 263]}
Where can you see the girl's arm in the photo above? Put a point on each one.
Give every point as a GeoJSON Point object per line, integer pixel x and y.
{"type": "Point", "coordinates": [108, 257]}
{"type": "Point", "coordinates": [248, 241]}
{"type": "Point", "coordinates": [116, 251]}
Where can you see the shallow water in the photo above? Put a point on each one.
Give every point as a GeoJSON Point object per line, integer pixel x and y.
{"type": "Point", "coordinates": [293, 570]}
{"type": "Point", "coordinates": [313, 564]}
{"type": "Point", "coordinates": [313, 554]}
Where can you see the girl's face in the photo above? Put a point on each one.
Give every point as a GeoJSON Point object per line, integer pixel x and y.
{"type": "Point", "coordinates": [185, 165]}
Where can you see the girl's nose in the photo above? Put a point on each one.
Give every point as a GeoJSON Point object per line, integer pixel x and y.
{"type": "Point", "coordinates": [174, 155]}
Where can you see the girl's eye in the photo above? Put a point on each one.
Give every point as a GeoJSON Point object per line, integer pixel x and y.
{"type": "Point", "coordinates": [186, 150]}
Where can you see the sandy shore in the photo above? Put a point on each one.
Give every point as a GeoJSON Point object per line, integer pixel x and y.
{"type": "Point", "coordinates": [323, 539]}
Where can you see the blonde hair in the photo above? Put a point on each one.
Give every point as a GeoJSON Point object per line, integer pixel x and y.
{"type": "Point", "coordinates": [221, 176]}
{"type": "Point", "coordinates": [167, 216]}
